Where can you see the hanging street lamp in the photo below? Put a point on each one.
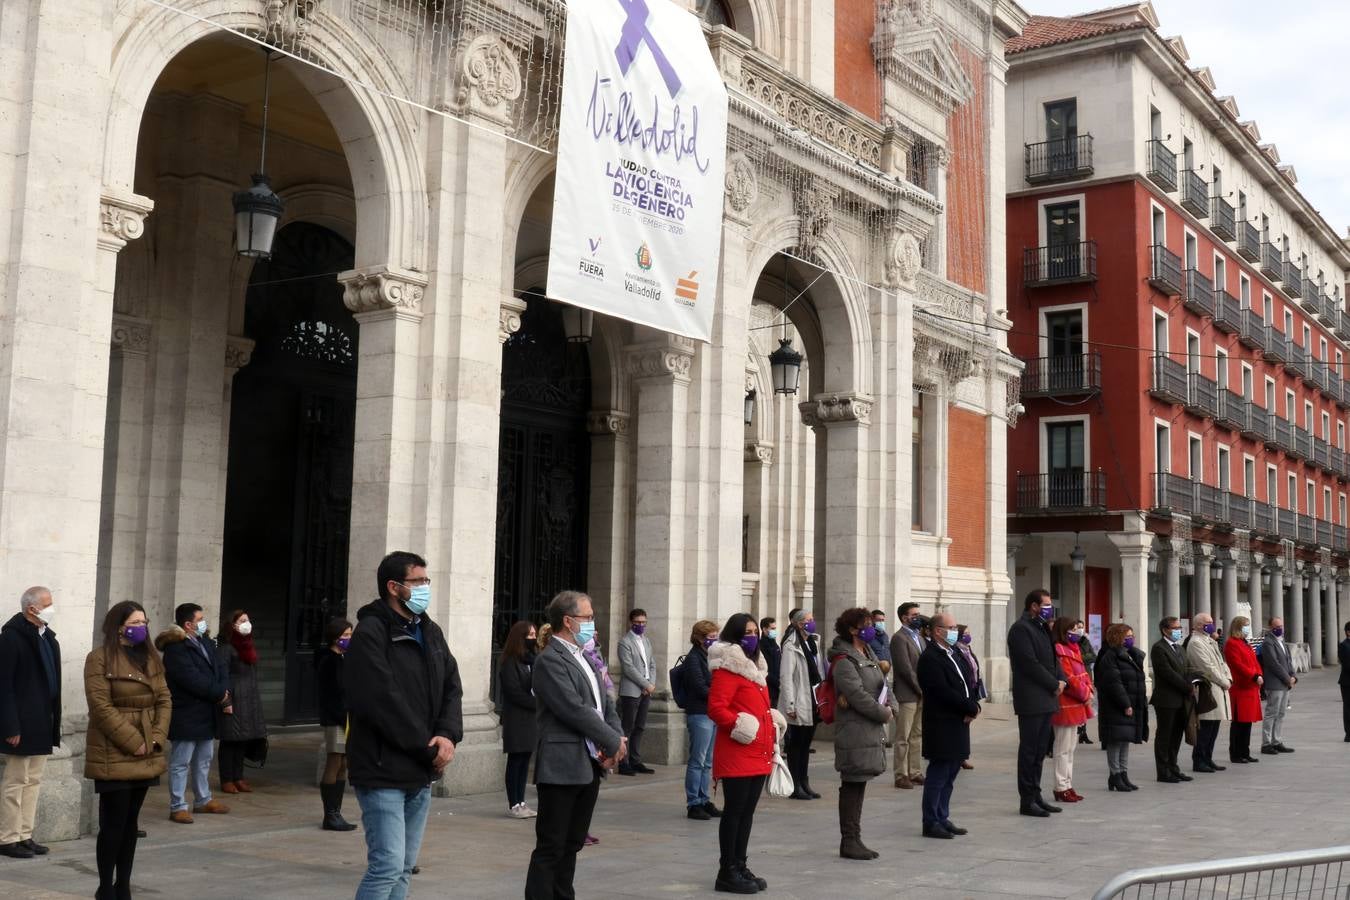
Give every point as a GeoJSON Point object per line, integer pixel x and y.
{"type": "Point", "coordinates": [257, 209]}
{"type": "Point", "coordinates": [750, 407]}
{"type": "Point", "coordinates": [1077, 556]}
{"type": "Point", "coordinates": [577, 324]}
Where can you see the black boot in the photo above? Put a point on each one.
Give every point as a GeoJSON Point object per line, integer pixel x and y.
{"type": "Point", "coordinates": [1083, 735]}
{"type": "Point", "coordinates": [332, 807]}
{"type": "Point", "coordinates": [751, 876]}
{"type": "Point", "coordinates": [806, 785]}
{"type": "Point", "coordinates": [731, 881]}
{"type": "Point", "coordinates": [1125, 780]}
{"type": "Point", "coordinates": [1113, 783]}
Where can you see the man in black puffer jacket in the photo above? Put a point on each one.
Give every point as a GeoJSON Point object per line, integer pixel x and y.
{"type": "Point", "coordinates": [404, 700]}
{"type": "Point", "coordinates": [1037, 681]}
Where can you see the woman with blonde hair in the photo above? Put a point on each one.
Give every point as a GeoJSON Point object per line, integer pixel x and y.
{"type": "Point", "coordinates": [1245, 694]}
{"type": "Point", "coordinates": [1122, 702]}
{"type": "Point", "coordinates": [696, 679]}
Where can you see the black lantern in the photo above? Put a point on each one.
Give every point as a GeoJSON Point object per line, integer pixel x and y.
{"type": "Point", "coordinates": [577, 324]}
{"type": "Point", "coordinates": [258, 209]}
{"type": "Point", "coordinates": [750, 406]}
{"type": "Point", "coordinates": [785, 364]}
{"type": "Point", "coordinates": [1077, 556]}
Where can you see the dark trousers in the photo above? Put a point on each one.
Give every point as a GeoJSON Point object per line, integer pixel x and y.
{"type": "Point", "coordinates": [938, 783]}
{"type": "Point", "coordinates": [633, 715]}
{"type": "Point", "coordinates": [1206, 736]}
{"type": "Point", "coordinates": [559, 834]}
{"type": "Point", "coordinates": [1345, 709]}
{"type": "Point", "coordinates": [740, 796]}
{"type": "Point", "coordinates": [1167, 744]}
{"type": "Point", "coordinates": [115, 850]}
{"type": "Point", "coordinates": [798, 746]}
{"type": "Point", "coordinates": [1033, 736]}
{"type": "Point", "coordinates": [517, 771]}
{"type": "Point", "coordinates": [231, 760]}
{"type": "Point", "coordinates": [1239, 741]}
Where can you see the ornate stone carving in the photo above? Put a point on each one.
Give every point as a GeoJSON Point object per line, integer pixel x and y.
{"type": "Point", "coordinates": [673, 357]}
{"type": "Point", "coordinates": [130, 334]}
{"type": "Point", "coordinates": [238, 351]}
{"type": "Point", "coordinates": [912, 49]}
{"type": "Point", "coordinates": [904, 258]}
{"type": "Point", "coordinates": [797, 104]}
{"type": "Point", "coordinates": [287, 22]}
{"type": "Point", "coordinates": [378, 288]}
{"type": "Point", "coordinates": [760, 452]}
{"type": "Point", "coordinates": [814, 205]}
{"type": "Point", "coordinates": [607, 423]}
{"type": "Point", "coordinates": [835, 409]}
{"type": "Point", "coordinates": [121, 218]}
{"type": "Point", "coordinates": [508, 317]}
{"type": "Point", "coordinates": [487, 79]}
{"type": "Point", "coordinates": [742, 184]}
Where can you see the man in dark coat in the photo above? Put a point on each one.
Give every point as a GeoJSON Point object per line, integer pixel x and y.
{"type": "Point", "coordinates": [200, 686]}
{"type": "Point", "coordinates": [1037, 682]}
{"type": "Point", "coordinates": [1343, 656]}
{"type": "Point", "coordinates": [405, 704]}
{"type": "Point", "coordinates": [30, 717]}
{"type": "Point", "coordinates": [772, 653]}
{"type": "Point", "coordinates": [948, 709]}
{"type": "Point", "coordinates": [1172, 694]}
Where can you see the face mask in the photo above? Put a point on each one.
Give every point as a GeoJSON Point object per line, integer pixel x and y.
{"type": "Point", "coordinates": [1047, 613]}
{"type": "Point", "coordinates": [46, 615]}
{"type": "Point", "coordinates": [587, 633]}
{"type": "Point", "coordinates": [1278, 632]}
{"type": "Point", "coordinates": [1210, 628]}
{"type": "Point", "coordinates": [880, 627]}
{"type": "Point", "coordinates": [419, 599]}
{"type": "Point", "coordinates": [951, 637]}
{"type": "Point", "coordinates": [1129, 642]}
{"type": "Point", "coordinates": [750, 643]}
{"type": "Point", "coordinates": [965, 638]}
{"type": "Point", "coordinates": [344, 644]}
{"type": "Point", "coordinates": [1247, 631]}
{"type": "Point", "coordinates": [1176, 635]}
{"type": "Point", "coordinates": [244, 628]}
{"type": "Point", "coordinates": [639, 629]}
{"type": "Point", "coordinates": [202, 628]}
{"type": "Point", "coordinates": [867, 635]}
{"type": "Point", "coordinates": [1074, 637]}
{"type": "Point", "coordinates": [773, 634]}
{"type": "Point", "coordinates": [136, 634]}
{"type": "Point", "coordinates": [709, 641]}
{"type": "Point", "coordinates": [810, 627]}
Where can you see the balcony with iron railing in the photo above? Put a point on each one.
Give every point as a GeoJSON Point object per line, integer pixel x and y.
{"type": "Point", "coordinates": [1062, 160]}
{"type": "Point", "coordinates": [1307, 530]}
{"type": "Point", "coordinates": [1253, 333]}
{"type": "Point", "coordinates": [1276, 346]}
{"type": "Point", "coordinates": [1286, 523]}
{"type": "Point", "coordinates": [1317, 374]}
{"type": "Point", "coordinates": [1162, 165]}
{"type": "Point", "coordinates": [1303, 444]}
{"type": "Point", "coordinates": [1069, 491]}
{"type": "Point", "coordinates": [1063, 376]}
{"type": "Point", "coordinates": [1264, 519]}
{"type": "Point", "coordinates": [1165, 272]}
{"type": "Point", "coordinates": [1321, 454]}
{"type": "Point", "coordinates": [1194, 193]}
{"type": "Point", "coordinates": [1279, 432]}
{"type": "Point", "coordinates": [1312, 300]}
{"type": "Point", "coordinates": [1234, 411]}
{"type": "Point", "coordinates": [1257, 427]}
{"type": "Point", "coordinates": [1172, 493]}
{"type": "Point", "coordinates": [1339, 535]}
{"type": "Point", "coordinates": [1203, 397]}
{"type": "Point", "coordinates": [1209, 505]}
{"type": "Point", "coordinates": [1335, 388]}
{"type": "Point", "coordinates": [1324, 536]}
{"type": "Point", "coordinates": [1238, 510]}
{"type": "Point", "coordinates": [1248, 241]}
{"type": "Point", "coordinates": [1170, 380]}
{"type": "Point", "coordinates": [1222, 219]}
{"type": "Point", "coordinates": [1198, 295]}
{"type": "Point", "coordinates": [1227, 312]}
{"type": "Point", "coordinates": [1298, 362]}
{"type": "Point", "coordinates": [1293, 279]}
{"type": "Point", "coordinates": [1059, 264]}
{"type": "Point", "coordinates": [1272, 261]}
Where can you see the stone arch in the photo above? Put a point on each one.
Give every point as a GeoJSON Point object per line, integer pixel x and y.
{"type": "Point", "coordinates": [378, 134]}
{"type": "Point", "coordinates": [528, 173]}
{"type": "Point", "coordinates": [761, 25]}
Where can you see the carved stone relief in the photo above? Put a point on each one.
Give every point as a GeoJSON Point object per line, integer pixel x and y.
{"type": "Point", "coordinates": [121, 218]}
{"type": "Point", "coordinates": [487, 79]}
{"type": "Point", "coordinates": [835, 409]}
{"type": "Point", "coordinates": [742, 185]}
{"type": "Point", "coordinates": [379, 288]}
{"type": "Point", "coordinates": [131, 334]}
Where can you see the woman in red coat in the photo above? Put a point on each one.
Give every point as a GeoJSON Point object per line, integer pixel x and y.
{"type": "Point", "coordinates": [1075, 704]}
{"type": "Point", "coordinates": [738, 704]}
{"type": "Point", "coordinates": [1245, 694]}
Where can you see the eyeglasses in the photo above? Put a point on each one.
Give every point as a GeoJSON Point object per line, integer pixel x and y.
{"type": "Point", "coordinates": [590, 618]}
{"type": "Point", "coordinates": [416, 582]}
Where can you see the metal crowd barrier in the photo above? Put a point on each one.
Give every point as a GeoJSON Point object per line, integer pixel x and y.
{"type": "Point", "coordinates": [1300, 875]}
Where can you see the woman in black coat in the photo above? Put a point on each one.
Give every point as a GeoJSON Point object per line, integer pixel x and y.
{"type": "Point", "coordinates": [519, 734]}
{"type": "Point", "coordinates": [1122, 701]}
{"type": "Point", "coordinates": [337, 637]}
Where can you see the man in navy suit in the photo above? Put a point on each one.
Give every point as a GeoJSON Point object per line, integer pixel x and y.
{"type": "Point", "coordinates": [948, 709]}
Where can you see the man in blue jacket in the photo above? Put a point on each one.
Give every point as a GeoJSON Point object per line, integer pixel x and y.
{"type": "Point", "coordinates": [200, 686]}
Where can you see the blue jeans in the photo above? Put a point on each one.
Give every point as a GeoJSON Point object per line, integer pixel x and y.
{"type": "Point", "coordinates": [393, 820]}
{"type": "Point", "coordinates": [182, 755]}
{"type": "Point", "coordinates": [937, 790]}
{"type": "Point", "coordinates": [698, 771]}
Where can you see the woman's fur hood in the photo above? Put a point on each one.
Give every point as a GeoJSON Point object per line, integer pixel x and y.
{"type": "Point", "coordinates": [171, 635]}
{"type": "Point", "coordinates": [731, 657]}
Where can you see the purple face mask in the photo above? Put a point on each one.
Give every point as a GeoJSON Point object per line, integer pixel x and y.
{"type": "Point", "coordinates": [1278, 632]}
{"type": "Point", "coordinates": [1129, 642]}
{"type": "Point", "coordinates": [965, 638]}
{"type": "Point", "coordinates": [709, 641]}
{"type": "Point", "coordinates": [136, 634]}
{"type": "Point", "coordinates": [750, 643]}
{"type": "Point", "coordinates": [1210, 628]}
{"type": "Point", "coordinates": [344, 643]}
{"type": "Point", "coordinates": [1047, 613]}
{"type": "Point", "coordinates": [810, 627]}
{"type": "Point", "coordinates": [867, 635]}
{"type": "Point", "coordinates": [1073, 637]}
{"type": "Point", "coordinates": [639, 629]}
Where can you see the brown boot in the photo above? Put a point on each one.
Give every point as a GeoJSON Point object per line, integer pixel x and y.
{"type": "Point", "coordinates": [243, 786]}
{"type": "Point", "coordinates": [903, 782]}
{"type": "Point", "coordinates": [211, 806]}
{"type": "Point", "coordinates": [850, 821]}
{"type": "Point", "coordinates": [182, 817]}
{"type": "Point", "coordinates": [229, 787]}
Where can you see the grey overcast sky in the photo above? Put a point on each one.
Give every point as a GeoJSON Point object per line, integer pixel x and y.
{"type": "Point", "coordinates": [1285, 64]}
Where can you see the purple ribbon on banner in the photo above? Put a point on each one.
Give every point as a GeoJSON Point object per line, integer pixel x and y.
{"type": "Point", "coordinates": [636, 33]}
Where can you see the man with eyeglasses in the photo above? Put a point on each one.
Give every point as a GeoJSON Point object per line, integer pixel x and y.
{"type": "Point", "coordinates": [404, 708]}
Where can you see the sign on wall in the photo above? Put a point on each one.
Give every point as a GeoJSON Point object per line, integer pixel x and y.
{"type": "Point", "coordinates": [637, 202]}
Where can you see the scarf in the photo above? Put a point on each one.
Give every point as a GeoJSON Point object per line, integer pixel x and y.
{"type": "Point", "coordinates": [808, 648]}
{"type": "Point", "coordinates": [243, 645]}
{"type": "Point", "coordinates": [598, 661]}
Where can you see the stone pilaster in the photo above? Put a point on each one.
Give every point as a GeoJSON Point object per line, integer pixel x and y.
{"type": "Point", "coordinates": [1254, 598]}
{"type": "Point", "coordinates": [1172, 582]}
{"type": "Point", "coordinates": [841, 421]}
{"type": "Point", "coordinates": [1134, 548]}
{"type": "Point", "coordinates": [1294, 621]}
{"type": "Point", "coordinates": [1200, 583]}
{"type": "Point", "coordinates": [1229, 603]}
{"type": "Point", "coordinates": [608, 555]}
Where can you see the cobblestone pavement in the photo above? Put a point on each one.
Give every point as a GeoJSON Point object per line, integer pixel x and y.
{"type": "Point", "coordinates": [271, 846]}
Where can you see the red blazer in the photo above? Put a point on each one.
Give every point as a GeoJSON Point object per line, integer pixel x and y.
{"type": "Point", "coordinates": [739, 685]}
{"type": "Point", "coordinates": [1245, 694]}
{"type": "Point", "coordinates": [1075, 705]}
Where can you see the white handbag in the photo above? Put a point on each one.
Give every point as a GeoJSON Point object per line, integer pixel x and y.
{"type": "Point", "coordinates": [780, 778]}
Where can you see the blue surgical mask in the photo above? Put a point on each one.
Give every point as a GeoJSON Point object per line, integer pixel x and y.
{"type": "Point", "coordinates": [586, 634]}
{"type": "Point", "coordinates": [419, 599]}
{"type": "Point", "coordinates": [1247, 631]}
{"type": "Point", "coordinates": [880, 627]}
{"type": "Point", "coordinates": [1176, 635]}
{"type": "Point", "coordinates": [773, 634]}
{"type": "Point", "coordinates": [951, 637]}
{"type": "Point", "coordinates": [202, 628]}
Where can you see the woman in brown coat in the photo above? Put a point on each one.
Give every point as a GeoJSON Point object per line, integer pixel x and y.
{"type": "Point", "coordinates": [129, 709]}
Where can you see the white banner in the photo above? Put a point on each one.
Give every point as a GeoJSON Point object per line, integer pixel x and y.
{"type": "Point", "coordinates": [637, 202]}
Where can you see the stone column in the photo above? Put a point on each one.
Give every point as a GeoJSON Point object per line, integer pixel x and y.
{"type": "Point", "coordinates": [1316, 587]}
{"type": "Point", "coordinates": [660, 370]}
{"type": "Point", "coordinates": [841, 422]}
{"type": "Point", "coordinates": [758, 465]}
{"type": "Point", "coordinates": [1333, 624]}
{"type": "Point", "coordinates": [1134, 547]}
{"type": "Point", "coordinates": [608, 552]}
{"type": "Point", "coordinates": [1294, 622]}
{"type": "Point", "coordinates": [1254, 593]}
{"type": "Point", "coordinates": [1276, 609]}
{"type": "Point", "coordinates": [1200, 582]}
{"type": "Point", "coordinates": [1172, 584]}
{"type": "Point", "coordinates": [1229, 603]}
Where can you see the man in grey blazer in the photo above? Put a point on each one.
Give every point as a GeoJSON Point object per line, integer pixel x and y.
{"type": "Point", "coordinates": [1277, 667]}
{"type": "Point", "coordinates": [637, 683]}
{"type": "Point", "coordinates": [906, 646]}
{"type": "Point", "coordinates": [579, 738]}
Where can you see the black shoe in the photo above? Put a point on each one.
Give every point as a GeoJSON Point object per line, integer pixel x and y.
{"type": "Point", "coordinates": [1125, 780]}
{"type": "Point", "coordinates": [1204, 768]}
{"type": "Point", "coordinates": [799, 793]}
{"type": "Point", "coordinates": [730, 881]}
{"type": "Point", "coordinates": [642, 769]}
{"type": "Point", "coordinates": [937, 831]}
{"type": "Point", "coordinates": [1181, 776]}
{"type": "Point", "coordinates": [1283, 749]}
{"type": "Point", "coordinates": [812, 750]}
{"type": "Point", "coordinates": [751, 876]}
{"type": "Point", "coordinates": [140, 833]}
{"type": "Point", "coordinates": [712, 810]}
{"type": "Point", "coordinates": [417, 870]}
{"type": "Point", "coordinates": [699, 813]}
{"type": "Point", "coordinates": [951, 826]}
{"type": "Point", "coordinates": [1047, 807]}
{"type": "Point", "coordinates": [34, 846]}
{"type": "Point", "coordinates": [1269, 750]}
{"type": "Point", "coordinates": [17, 851]}
{"type": "Point", "coordinates": [806, 785]}
{"type": "Point", "coordinates": [1251, 759]}
{"type": "Point", "coordinates": [625, 770]}
{"type": "Point", "coordinates": [1028, 809]}
{"type": "Point", "coordinates": [1216, 767]}
{"type": "Point", "coordinates": [1169, 779]}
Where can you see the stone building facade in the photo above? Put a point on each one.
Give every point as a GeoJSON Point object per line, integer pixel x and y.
{"type": "Point", "coordinates": [182, 424]}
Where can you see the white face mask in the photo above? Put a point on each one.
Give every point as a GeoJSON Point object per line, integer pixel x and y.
{"type": "Point", "coordinates": [244, 628]}
{"type": "Point", "coordinates": [46, 615]}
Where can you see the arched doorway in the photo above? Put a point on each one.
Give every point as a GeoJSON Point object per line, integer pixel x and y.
{"type": "Point", "coordinates": [543, 479]}
{"type": "Point", "coordinates": [289, 483]}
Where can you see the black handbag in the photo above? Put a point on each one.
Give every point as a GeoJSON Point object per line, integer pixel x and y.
{"type": "Point", "coordinates": [1205, 700]}
{"type": "Point", "coordinates": [255, 752]}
